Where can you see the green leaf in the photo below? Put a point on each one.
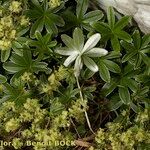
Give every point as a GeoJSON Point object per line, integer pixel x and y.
{"type": "Point", "coordinates": [128, 56]}
{"type": "Point", "coordinates": [122, 23]}
{"type": "Point", "coordinates": [3, 79]}
{"type": "Point", "coordinates": [124, 95]}
{"type": "Point", "coordinates": [5, 55]}
{"type": "Point", "coordinates": [138, 61]}
{"type": "Point", "coordinates": [137, 39]}
{"type": "Point", "coordinates": [112, 55]}
{"type": "Point", "coordinates": [104, 72]}
{"type": "Point", "coordinates": [101, 27]}
{"type": "Point", "coordinates": [145, 40]}
{"type": "Point", "coordinates": [16, 59]}
{"type": "Point", "coordinates": [90, 64]}
{"type": "Point", "coordinates": [134, 107]}
{"type": "Point", "coordinates": [57, 20]}
{"type": "Point", "coordinates": [93, 16]}
{"type": "Point", "coordinates": [113, 67]}
{"type": "Point", "coordinates": [68, 41]}
{"type": "Point", "coordinates": [123, 35]}
{"type": "Point", "coordinates": [37, 26]}
{"type": "Point", "coordinates": [11, 67]}
{"type": "Point", "coordinates": [127, 46]}
{"type": "Point", "coordinates": [50, 26]}
{"type": "Point", "coordinates": [78, 38]}
{"type": "Point", "coordinates": [145, 59]}
{"type": "Point", "coordinates": [82, 6]}
{"type": "Point", "coordinates": [111, 17]}
{"type": "Point", "coordinates": [96, 52]}
{"type": "Point", "coordinates": [115, 104]}
{"type": "Point", "coordinates": [87, 74]}
{"type": "Point", "coordinates": [115, 43]}
{"type": "Point", "coordinates": [108, 88]}
{"type": "Point", "coordinates": [132, 84]}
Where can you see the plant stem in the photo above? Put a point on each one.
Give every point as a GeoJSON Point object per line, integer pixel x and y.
{"type": "Point", "coordinates": [86, 115]}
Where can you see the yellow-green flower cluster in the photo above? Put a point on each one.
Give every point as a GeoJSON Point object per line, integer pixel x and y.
{"type": "Point", "coordinates": [61, 120]}
{"type": "Point", "coordinates": [35, 118]}
{"type": "Point", "coordinates": [6, 107]}
{"type": "Point", "coordinates": [7, 32]}
{"type": "Point", "coordinates": [17, 143]}
{"type": "Point", "coordinates": [24, 21]}
{"type": "Point", "coordinates": [143, 116]}
{"type": "Point", "coordinates": [77, 110]}
{"type": "Point", "coordinates": [8, 25]}
{"type": "Point", "coordinates": [27, 77]}
{"type": "Point", "coordinates": [32, 111]}
{"type": "Point", "coordinates": [117, 137]}
{"type": "Point", "coordinates": [54, 81]}
{"type": "Point", "coordinates": [15, 7]}
{"type": "Point", "coordinates": [12, 124]}
{"type": "Point", "coordinates": [54, 3]}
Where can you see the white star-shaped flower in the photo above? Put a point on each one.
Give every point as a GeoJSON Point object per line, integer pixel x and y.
{"type": "Point", "coordinates": [80, 52]}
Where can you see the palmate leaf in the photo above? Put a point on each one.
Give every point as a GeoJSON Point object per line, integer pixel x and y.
{"type": "Point", "coordinates": [82, 6]}
{"type": "Point", "coordinates": [113, 30]}
{"type": "Point", "coordinates": [20, 64]}
{"type": "Point", "coordinates": [43, 16]}
{"type": "Point", "coordinates": [137, 50]}
{"type": "Point", "coordinates": [43, 45]}
{"type": "Point", "coordinates": [81, 18]}
{"type": "Point", "coordinates": [14, 93]}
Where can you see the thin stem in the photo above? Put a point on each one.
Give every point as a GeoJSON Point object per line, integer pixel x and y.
{"type": "Point", "coordinates": [86, 115]}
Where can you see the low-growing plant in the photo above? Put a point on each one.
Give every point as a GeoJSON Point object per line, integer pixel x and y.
{"type": "Point", "coordinates": [72, 77]}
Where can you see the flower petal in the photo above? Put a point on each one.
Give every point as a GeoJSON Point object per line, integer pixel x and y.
{"type": "Point", "coordinates": [78, 66]}
{"type": "Point", "coordinates": [96, 52]}
{"type": "Point", "coordinates": [91, 42]}
{"type": "Point", "coordinates": [90, 64]}
{"type": "Point", "coordinates": [70, 59]}
{"type": "Point", "coordinates": [65, 51]}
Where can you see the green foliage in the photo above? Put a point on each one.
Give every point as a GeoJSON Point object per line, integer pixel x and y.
{"type": "Point", "coordinates": [113, 30]}
{"type": "Point", "coordinates": [44, 16]}
{"type": "Point", "coordinates": [45, 97]}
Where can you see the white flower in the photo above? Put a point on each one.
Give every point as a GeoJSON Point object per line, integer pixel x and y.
{"type": "Point", "coordinates": [80, 52]}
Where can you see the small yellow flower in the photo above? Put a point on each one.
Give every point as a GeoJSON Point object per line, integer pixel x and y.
{"type": "Point", "coordinates": [5, 44]}
{"type": "Point", "coordinates": [15, 7]}
{"type": "Point", "coordinates": [26, 76]}
{"type": "Point", "coordinates": [12, 124]}
{"type": "Point", "coordinates": [7, 22]}
{"type": "Point", "coordinates": [12, 34]}
{"type": "Point", "coordinates": [17, 144]}
{"type": "Point", "coordinates": [54, 3]}
{"type": "Point", "coordinates": [24, 21]}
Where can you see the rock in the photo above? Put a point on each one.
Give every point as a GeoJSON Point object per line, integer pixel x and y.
{"type": "Point", "coordinates": [139, 9]}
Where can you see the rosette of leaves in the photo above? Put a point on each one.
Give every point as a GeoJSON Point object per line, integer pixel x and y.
{"type": "Point", "coordinates": [113, 30]}
{"type": "Point", "coordinates": [81, 18]}
{"type": "Point", "coordinates": [43, 45]}
{"type": "Point", "coordinates": [15, 92]}
{"type": "Point", "coordinates": [44, 16]}
{"type": "Point", "coordinates": [138, 51]}
{"type": "Point", "coordinates": [80, 52]}
{"type": "Point", "coordinates": [125, 83]}
{"type": "Point", "coordinates": [19, 64]}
